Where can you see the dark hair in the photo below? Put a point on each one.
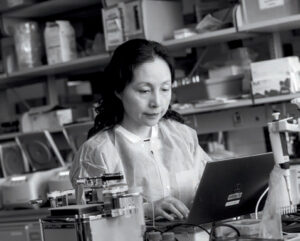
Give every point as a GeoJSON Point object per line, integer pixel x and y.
{"type": "Point", "coordinates": [119, 73]}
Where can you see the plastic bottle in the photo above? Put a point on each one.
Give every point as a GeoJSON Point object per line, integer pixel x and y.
{"type": "Point", "coordinates": [60, 42]}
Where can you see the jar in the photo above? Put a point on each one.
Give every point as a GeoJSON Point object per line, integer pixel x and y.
{"type": "Point", "coordinates": [28, 45]}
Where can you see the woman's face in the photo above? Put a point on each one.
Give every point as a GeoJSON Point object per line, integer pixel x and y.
{"type": "Point", "coordinates": [147, 97]}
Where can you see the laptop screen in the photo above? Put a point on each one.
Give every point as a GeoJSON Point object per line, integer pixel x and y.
{"type": "Point", "coordinates": [231, 188]}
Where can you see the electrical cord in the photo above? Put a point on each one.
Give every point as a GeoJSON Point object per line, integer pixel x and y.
{"type": "Point", "coordinates": [186, 224]}
{"type": "Point", "coordinates": [210, 234]}
{"type": "Point", "coordinates": [238, 234]}
{"type": "Point", "coordinates": [258, 202]}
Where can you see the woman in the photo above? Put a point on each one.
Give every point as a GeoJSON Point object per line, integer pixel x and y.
{"type": "Point", "coordinates": [137, 133]}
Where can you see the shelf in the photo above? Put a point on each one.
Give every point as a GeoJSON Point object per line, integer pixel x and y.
{"type": "Point", "coordinates": [8, 136]}
{"type": "Point", "coordinates": [208, 108]}
{"type": "Point", "coordinates": [92, 63]}
{"type": "Point", "coordinates": [237, 103]}
{"type": "Point", "coordinates": [217, 36]}
{"type": "Point", "coordinates": [274, 25]}
{"type": "Point", "coordinates": [274, 99]}
{"type": "Point", "coordinates": [50, 7]}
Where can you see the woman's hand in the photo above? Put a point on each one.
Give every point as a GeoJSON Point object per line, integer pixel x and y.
{"type": "Point", "coordinates": [169, 208]}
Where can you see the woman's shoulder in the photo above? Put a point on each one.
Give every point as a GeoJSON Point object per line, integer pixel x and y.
{"type": "Point", "coordinates": [176, 127]}
{"type": "Point", "coordinates": [101, 140]}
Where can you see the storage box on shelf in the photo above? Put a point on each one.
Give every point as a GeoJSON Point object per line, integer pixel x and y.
{"type": "Point", "coordinates": [194, 89]}
{"type": "Point", "coordinates": [151, 19]}
{"type": "Point", "coordinates": [260, 10]}
{"type": "Point", "coordinates": [275, 77]}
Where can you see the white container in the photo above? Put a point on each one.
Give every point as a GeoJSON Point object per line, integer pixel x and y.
{"type": "Point", "coordinates": [60, 42]}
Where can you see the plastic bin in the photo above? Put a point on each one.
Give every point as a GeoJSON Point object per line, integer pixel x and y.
{"type": "Point", "coordinates": [229, 87]}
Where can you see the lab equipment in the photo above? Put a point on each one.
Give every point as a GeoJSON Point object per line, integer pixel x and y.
{"type": "Point", "coordinates": [112, 214]}
{"type": "Point", "coordinates": [40, 150]}
{"type": "Point", "coordinates": [12, 160]}
{"type": "Point", "coordinates": [283, 195]}
{"type": "Point", "coordinates": [46, 152]}
{"type": "Point", "coordinates": [277, 131]}
{"type": "Point", "coordinates": [19, 190]}
{"type": "Point", "coordinates": [60, 181]}
{"type": "Point", "coordinates": [61, 198]}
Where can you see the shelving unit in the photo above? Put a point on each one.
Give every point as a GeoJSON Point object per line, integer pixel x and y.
{"type": "Point", "coordinates": [98, 62]}
{"type": "Point", "coordinates": [85, 64]}
{"type": "Point", "coordinates": [218, 36]}
{"type": "Point", "coordinates": [231, 104]}
{"type": "Point", "coordinates": [274, 99]}
{"type": "Point", "coordinates": [210, 107]}
{"type": "Point", "coordinates": [49, 7]}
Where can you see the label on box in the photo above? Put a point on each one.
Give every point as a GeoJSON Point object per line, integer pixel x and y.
{"type": "Point", "coordinates": [265, 4]}
{"type": "Point", "coordinates": [113, 27]}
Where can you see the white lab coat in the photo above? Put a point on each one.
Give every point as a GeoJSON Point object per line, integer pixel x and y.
{"type": "Point", "coordinates": [170, 164]}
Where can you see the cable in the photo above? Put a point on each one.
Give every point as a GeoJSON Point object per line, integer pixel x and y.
{"type": "Point", "coordinates": [153, 214]}
{"type": "Point", "coordinates": [229, 226]}
{"type": "Point", "coordinates": [258, 202]}
{"type": "Point", "coordinates": [186, 224]}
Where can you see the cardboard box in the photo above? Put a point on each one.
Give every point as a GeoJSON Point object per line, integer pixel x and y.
{"type": "Point", "coordinates": [151, 19]}
{"type": "Point", "coordinates": [261, 10]}
{"type": "Point", "coordinates": [275, 77]}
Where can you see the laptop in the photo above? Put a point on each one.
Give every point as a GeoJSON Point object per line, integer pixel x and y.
{"type": "Point", "coordinates": [231, 188]}
{"type": "Point", "coordinates": [228, 188]}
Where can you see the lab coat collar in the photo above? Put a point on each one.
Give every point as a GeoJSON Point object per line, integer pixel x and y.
{"type": "Point", "coordinates": [133, 137]}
